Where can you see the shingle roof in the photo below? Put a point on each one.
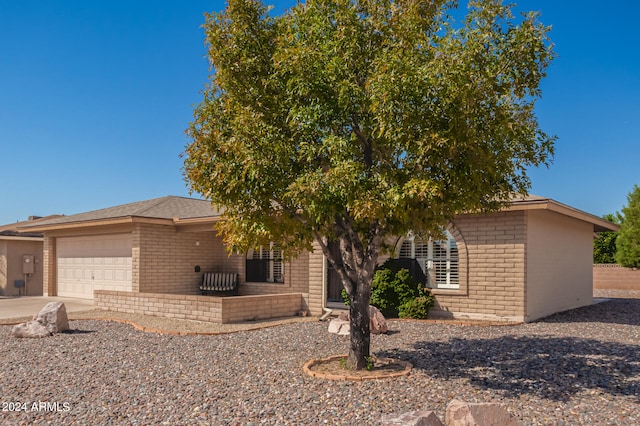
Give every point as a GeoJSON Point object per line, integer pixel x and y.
{"type": "Point", "coordinates": [169, 207]}
{"type": "Point", "coordinates": [12, 229]}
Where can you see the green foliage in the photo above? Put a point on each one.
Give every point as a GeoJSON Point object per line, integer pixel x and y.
{"type": "Point", "coordinates": [382, 113]}
{"type": "Point", "coordinates": [417, 308]}
{"type": "Point", "coordinates": [354, 120]}
{"type": "Point", "coordinates": [370, 363]}
{"type": "Point", "coordinates": [604, 247]}
{"type": "Point", "coordinates": [628, 241]}
{"type": "Point", "coordinates": [392, 288]}
{"type": "Point", "coordinates": [396, 293]}
{"type": "Point", "coordinates": [343, 363]}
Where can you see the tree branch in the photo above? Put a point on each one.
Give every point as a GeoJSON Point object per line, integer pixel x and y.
{"type": "Point", "coordinates": [365, 142]}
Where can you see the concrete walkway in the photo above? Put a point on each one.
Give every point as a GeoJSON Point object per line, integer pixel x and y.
{"type": "Point", "coordinates": [27, 306]}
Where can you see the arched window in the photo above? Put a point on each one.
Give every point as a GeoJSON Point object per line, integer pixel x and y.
{"type": "Point", "coordinates": [264, 264]}
{"type": "Point", "coordinates": [438, 259]}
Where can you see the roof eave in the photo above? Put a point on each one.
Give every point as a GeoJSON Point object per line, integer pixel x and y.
{"type": "Point", "coordinates": [20, 238]}
{"type": "Point", "coordinates": [98, 222]}
{"type": "Point", "coordinates": [599, 224]}
{"type": "Point", "coordinates": [190, 222]}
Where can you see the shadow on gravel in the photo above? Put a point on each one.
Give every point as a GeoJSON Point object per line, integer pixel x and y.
{"type": "Point", "coordinates": [612, 311]}
{"type": "Point", "coordinates": [551, 368]}
{"type": "Point", "coordinates": [78, 331]}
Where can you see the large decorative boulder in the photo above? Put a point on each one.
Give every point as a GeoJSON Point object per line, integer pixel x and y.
{"type": "Point", "coordinates": [460, 413]}
{"type": "Point", "coordinates": [413, 418]}
{"type": "Point", "coordinates": [377, 321]}
{"type": "Point", "coordinates": [54, 317]}
{"type": "Point", "coordinates": [51, 319]}
{"type": "Point", "coordinates": [31, 329]}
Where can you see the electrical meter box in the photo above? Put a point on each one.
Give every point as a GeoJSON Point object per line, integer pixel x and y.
{"type": "Point", "coordinates": [28, 264]}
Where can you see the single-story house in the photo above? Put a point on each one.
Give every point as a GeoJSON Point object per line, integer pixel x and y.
{"type": "Point", "coordinates": [524, 262]}
{"type": "Point", "coordinates": [21, 259]}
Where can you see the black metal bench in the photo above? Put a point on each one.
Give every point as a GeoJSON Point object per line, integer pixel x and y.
{"type": "Point", "coordinates": [219, 284]}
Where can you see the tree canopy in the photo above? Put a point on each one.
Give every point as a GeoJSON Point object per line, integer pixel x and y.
{"type": "Point", "coordinates": [604, 247]}
{"type": "Point", "coordinates": [628, 241]}
{"type": "Point", "coordinates": [354, 120]}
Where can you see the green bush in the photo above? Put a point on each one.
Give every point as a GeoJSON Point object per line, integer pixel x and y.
{"type": "Point", "coordinates": [396, 293]}
{"type": "Point", "coordinates": [417, 308]}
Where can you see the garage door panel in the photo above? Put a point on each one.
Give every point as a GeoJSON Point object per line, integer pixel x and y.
{"type": "Point", "coordinates": [86, 264]}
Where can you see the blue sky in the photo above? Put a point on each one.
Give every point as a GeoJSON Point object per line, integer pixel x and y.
{"type": "Point", "coordinates": [95, 97]}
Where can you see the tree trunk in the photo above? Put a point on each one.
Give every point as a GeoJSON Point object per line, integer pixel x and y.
{"type": "Point", "coordinates": [356, 264]}
{"type": "Point", "coordinates": [360, 336]}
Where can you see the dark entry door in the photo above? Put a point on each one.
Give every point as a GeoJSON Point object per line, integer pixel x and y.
{"type": "Point", "coordinates": [334, 284]}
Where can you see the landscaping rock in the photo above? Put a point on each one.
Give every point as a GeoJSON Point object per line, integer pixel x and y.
{"type": "Point", "coordinates": [413, 418]}
{"type": "Point", "coordinates": [340, 327]}
{"type": "Point", "coordinates": [54, 317]}
{"type": "Point", "coordinates": [51, 319]}
{"type": "Point", "coordinates": [32, 329]}
{"type": "Point", "coordinates": [460, 413]}
{"type": "Point", "coordinates": [378, 323]}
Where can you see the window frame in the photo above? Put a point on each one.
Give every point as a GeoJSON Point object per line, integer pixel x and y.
{"type": "Point", "coordinates": [269, 262]}
{"type": "Point", "coordinates": [441, 271]}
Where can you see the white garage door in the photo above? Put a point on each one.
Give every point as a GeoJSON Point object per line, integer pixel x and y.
{"type": "Point", "coordinates": [93, 263]}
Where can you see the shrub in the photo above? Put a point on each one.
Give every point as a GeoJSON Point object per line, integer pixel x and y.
{"type": "Point", "coordinates": [396, 293]}
{"type": "Point", "coordinates": [417, 308]}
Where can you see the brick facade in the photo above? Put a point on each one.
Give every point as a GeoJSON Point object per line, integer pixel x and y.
{"type": "Point", "coordinates": [49, 271]}
{"type": "Point", "coordinates": [164, 259]}
{"type": "Point", "coordinates": [511, 265]}
{"type": "Point", "coordinates": [491, 250]}
{"type": "Point", "coordinates": [201, 308]}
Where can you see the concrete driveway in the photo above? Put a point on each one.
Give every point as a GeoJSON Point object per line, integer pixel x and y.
{"type": "Point", "coordinates": [27, 306]}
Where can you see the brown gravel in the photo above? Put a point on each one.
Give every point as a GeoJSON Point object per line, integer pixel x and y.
{"type": "Point", "coordinates": [162, 325]}
{"type": "Point", "coordinates": [580, 367]}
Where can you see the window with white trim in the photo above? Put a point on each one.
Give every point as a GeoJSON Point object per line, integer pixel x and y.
{"type": "Point", "coordinates": [438, 259]}
{"type": "Point", "coordinates": [264, 264]}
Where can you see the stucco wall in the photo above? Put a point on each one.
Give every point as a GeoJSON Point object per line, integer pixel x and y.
{"type": "Point", "coordinates": [559, 263]}
{"type": "Point", "coordinates": [11, 260]}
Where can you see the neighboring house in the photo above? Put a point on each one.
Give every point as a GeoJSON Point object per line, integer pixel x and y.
{"type": "Point", "coordinates": [524, 262]}
{"type": "Point", "coordinates": [21, 259]}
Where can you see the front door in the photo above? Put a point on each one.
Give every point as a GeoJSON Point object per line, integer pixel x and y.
{"type": "Point", "coordinates": [334, 284]}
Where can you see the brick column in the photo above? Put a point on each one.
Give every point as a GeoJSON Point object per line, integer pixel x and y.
{"type": "Point", "coordinates": [49, 268]}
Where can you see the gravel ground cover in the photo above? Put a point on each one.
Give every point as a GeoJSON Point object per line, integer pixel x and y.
{"type": "Point", "coordinates": [577, 367]}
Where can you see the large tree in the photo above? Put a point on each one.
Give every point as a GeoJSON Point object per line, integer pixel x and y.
{"type": "Point", "coordinates": [628, 241]}
{"type": "Point", "coordinates": [355, 120]}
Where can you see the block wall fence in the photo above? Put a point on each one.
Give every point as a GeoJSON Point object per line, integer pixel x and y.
{"type": "Point", "coordinates": [615, 277]}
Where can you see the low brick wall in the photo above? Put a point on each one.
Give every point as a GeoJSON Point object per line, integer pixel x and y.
{"type": "Point", "coordinates": [615, 277]}
{"type": "Point", "coordinates": [201, 308]}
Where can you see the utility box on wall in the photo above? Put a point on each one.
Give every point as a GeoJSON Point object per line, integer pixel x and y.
{"type": "Point", "coordinates": [28, 264]}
